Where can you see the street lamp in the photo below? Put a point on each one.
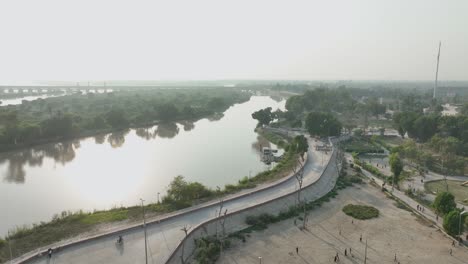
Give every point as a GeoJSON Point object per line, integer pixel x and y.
{"type": "Point", "coordinates": [260, 259]}
{"type": "Point", "coordinates": [459, 222]}
{"type": "Point", "coordinates": [144, 225]}
{"type": "Point", "coordinates": [9, 246]}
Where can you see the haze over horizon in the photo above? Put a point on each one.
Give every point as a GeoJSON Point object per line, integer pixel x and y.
{"type": "Point", "coordinates": [205, 40]}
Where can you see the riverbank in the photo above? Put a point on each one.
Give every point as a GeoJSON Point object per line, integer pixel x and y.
{"type": "Point", "coordinates": [69, 225]}
{"type": "Point", "coordinates": [74, 116]}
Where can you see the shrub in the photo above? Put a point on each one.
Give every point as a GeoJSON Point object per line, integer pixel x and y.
{"type": "Point", "coordinates": [444, 203]}
{"type": "Point", "coordinates": [451, 222]}
{"type": "Point", "coordinates": [361, 212]}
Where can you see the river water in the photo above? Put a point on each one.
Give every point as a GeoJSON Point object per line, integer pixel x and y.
{"type": "Point", "coordinates": [120, 168]}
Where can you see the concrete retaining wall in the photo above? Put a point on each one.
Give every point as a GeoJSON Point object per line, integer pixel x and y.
{"type": "Point", "coordinates": [235, 221]}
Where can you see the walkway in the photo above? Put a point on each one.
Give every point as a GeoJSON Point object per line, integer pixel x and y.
{"type": "Point", "coordinates": [429, 214]}
{"type": "Point", "coordinates": [164, 236]}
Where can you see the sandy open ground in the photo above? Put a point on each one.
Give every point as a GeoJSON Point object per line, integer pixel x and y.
{"type": "Point", "coordinates": [394, 231]}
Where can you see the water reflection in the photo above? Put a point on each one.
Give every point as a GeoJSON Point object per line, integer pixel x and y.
{"type": "Point", "coordinates": [260, 143]}
{"type": "Point", "coordinates": [216, 117]}
{"type": "Point", "coordinates": [100, 139]}
{"type": "Point", "coordinates": [146, 133]}
{"type": "Point", "coordinates": [167, 130]}
{"type": "Point", "coordinates": [62, 153]}
{"type": "Point", "coordinates": [117, 139]}
{"type": "Point", "coordinates": [188, 125]}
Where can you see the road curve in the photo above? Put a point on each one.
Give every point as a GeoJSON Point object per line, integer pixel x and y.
{"type": "Point", "coordinates": [165, 235]}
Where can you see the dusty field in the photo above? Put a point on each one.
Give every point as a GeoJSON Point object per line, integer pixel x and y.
{"type": "Point", "coordinates": [394, 231]}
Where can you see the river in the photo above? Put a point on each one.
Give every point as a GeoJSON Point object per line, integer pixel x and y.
{"type": "Point", "coordinates": [120, 168]}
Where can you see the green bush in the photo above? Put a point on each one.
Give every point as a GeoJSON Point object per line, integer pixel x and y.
{"type": "Point", "coordinates": [444, 203]}
{"type": "Point", "coordinates": [361, 212]}
{"type": "Point", "coordinates": [2, 243]}
{"type": "Point", "coordinates": [207, 249]}
{"type": "Point", "coordinates": [451, 222]}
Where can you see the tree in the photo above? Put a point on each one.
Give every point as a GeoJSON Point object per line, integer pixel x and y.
{"type": "Point", "coordinates": [444, 203]}
{"type": "Point", "coordinates": [300, 145]}
{"type": "Point", "coordinates": [396, 165]}
{"type": "Point", "coordinates": [116, 118]}
{"type": "Point", "coordinates": [452, 222]}
{"type": "Point", "coordinates": [323, 124]}
{"type": "Point", "coordinates": [263, 116]}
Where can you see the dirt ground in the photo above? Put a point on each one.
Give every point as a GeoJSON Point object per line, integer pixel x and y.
{"type": "Point", "coordinates": [395, 231]}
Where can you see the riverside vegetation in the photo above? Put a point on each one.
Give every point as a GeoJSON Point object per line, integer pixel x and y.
{"type": "Point", "coordinates": [181, 194]}
{"type": "Point", "coordinates": [72, 116]}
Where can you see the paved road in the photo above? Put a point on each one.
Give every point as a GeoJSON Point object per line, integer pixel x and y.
{"type": "Point", "coordinates": [163, 237]}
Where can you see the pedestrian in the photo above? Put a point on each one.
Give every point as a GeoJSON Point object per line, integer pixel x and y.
{"type": "Point", "coordinates": [352, 221]}
{"type": "Point", "coordinates": [450, 252]}
{"type": "Point", "coordinates": [49, 252]}
{"type": "Point", "coordinates": [339, 231]}
{"type": "Point", "coordinates": [350, 251]}
{"type": "Point", "coordinates": [423, 209]}
{"type": "Point", "coordinates": [417, 207]}
{"type": "Point", "coordinates": [437, 217]}
{"type": "Point", "coordinates": [360, 238]}
{"type": "Point", "coordinates": [297, 250]}
{"type": "Point", "coordinates": [395, 258]}
{"type": "Point", "coordinates": [337, 257]}
{"type": "Point", "coordinates": [453, 243]}
{"type": "Point", "coordinates": [334, 259]}
{"type": "Point", "coordinates": [345, 252]}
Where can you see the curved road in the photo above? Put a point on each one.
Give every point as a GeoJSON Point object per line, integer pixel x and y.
{"type": "Point", "coordinates": [163, 237]}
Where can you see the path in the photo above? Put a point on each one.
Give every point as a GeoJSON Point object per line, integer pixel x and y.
{"type": "Point", "coordinates": [164, 236]}
{"type": "Point", "coordinates": [429, 214]}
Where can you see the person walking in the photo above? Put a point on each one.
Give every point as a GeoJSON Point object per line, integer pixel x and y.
{"type": "Point", "coordinates": [394, 260]}
{"type": "Point", "coordinates": [297, 250]}
{"type": "Point", "coordinates": [49, 252]}
{"type": "Point", "coordinates": [360, 238]}
{"type": "Point", "coordinates": [450, 252]}
{"type": "Point", "coordinates": [345, 252]}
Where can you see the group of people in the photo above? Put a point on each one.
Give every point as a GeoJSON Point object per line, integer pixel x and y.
{"type": "Point", "coordinates": [420, 208]}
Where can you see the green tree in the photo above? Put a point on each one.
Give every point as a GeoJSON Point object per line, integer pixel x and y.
{"type": "Point", "coordinates": [300, 145]}
{"type": "Point", "coordinates": [116, 118]}
{"type": "Point", "coordinates": [444, 203]}
{"type": "Point", "coordinates": [263, 116]}
{"type": "Point", "coordinates": [452, 222]}
{"type": "Point", "coordinates": [323, 124]}
{"type": "Point", "coordinates": [396, 166]}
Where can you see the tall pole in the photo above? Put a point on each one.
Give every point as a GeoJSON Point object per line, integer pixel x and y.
{"type": "Point", "coordinates": [365, 254]}
{"type": "Point", "coordinates": [459, 222]}
{"type": "Point", "coordinates": [437, 72]}
{"type": "Point", "coordinates": [9, 246]}
{"type": "Point", "coordinates": [144, 226]}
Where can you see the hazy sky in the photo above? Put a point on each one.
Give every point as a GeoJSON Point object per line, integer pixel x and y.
{"type": "Point", "coordinates": [197, 39]}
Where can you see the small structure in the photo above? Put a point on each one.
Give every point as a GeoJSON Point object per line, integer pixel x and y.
{"type": "Point", "coordinates": [324, 147]}
{"type": "Point", "coordinates": [270, 155]}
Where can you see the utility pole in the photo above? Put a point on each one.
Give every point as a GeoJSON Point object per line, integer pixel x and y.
{"type": "Point", "coordinates": [144, 226]}
{"type": "Point", "coordinates": [459, 223]}
{"type": "Point", "coordinates": [437, 72]}
{"type": "Point", "coordinates": [365, 254]}
{"type": "Point", "coordinates": [9, 246]}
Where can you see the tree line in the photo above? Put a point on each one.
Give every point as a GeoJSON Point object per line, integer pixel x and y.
{"type": "Point", "coordinates": [72, 116]}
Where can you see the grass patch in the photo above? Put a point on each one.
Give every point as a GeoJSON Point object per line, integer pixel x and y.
{"type": "Point", "coordinates": [360, 145]}
{"type": "Point", "coordinates": [460, 192]}
{"type": "Point", "coordinates": [361, 212]}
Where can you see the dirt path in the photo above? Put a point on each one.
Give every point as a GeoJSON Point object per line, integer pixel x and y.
{"type": "Point", "coordinates": [394, 231]}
